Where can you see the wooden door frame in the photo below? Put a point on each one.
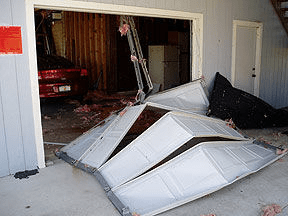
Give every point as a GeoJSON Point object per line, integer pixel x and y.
{"type": "Point", "coordinates": [259, 29]}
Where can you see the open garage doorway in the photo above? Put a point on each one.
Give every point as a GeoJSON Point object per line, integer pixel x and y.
{"type": "Point", "coordinates": [93, 43]}
{"type": "Point", "coordinates": [98, 79]}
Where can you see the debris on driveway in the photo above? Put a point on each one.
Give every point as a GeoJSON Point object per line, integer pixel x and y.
{"type": "Point", "coordinates": [279, 151]}
{"type": "Point", "coordinates": [178, 157]}
{"type": "Point", "coordinates": [25, 174]}
{"type": "Point", "coordinates": [272, 210]}
{"type": "Point", "coordinates": [157, 168]}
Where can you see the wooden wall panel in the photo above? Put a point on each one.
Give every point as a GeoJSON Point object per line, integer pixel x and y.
{"type": "Point", "coordinates": [88, 45]}
{"type": "Point", "coordinates": [111, 59]}
{"type": "Point", "coordinates": [98, 49]}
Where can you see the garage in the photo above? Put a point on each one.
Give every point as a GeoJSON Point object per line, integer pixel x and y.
{"type": "Point", "coordinates": [212, 40]}
{"type": "Point", "coordinates": [207, 37]}
{"type": "Point", "coordinates": [22, 133]}
{"type": "Point", "coordinates": [91, 42]}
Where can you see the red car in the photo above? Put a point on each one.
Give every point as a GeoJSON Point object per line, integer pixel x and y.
{"type": "Point", "coordinates": [59, 77]}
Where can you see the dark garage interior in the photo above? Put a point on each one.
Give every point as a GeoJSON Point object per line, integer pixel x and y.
{"type": "Point", "coordinates": [93, 42]}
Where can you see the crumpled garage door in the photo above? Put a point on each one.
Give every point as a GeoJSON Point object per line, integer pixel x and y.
{"type": "Point", "coordinates": [180, 157]}
{"type": "Point", "coordinates": [189, 97]}
{"type": "Point", "coordinates": [197, 172]}
{"type": "Point", "coordinates": [160, 140]}
{"type": "Point", "coordinates": [96, 145]}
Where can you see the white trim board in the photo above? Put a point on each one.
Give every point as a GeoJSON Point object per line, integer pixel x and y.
{"type": "Point", "coordinates": [93, 7]}
{"type": "Point", "coordinates": [259, 27]}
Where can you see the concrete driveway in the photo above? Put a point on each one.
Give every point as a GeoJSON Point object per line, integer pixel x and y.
{"type": "Point", "coordinates": [60, 189]}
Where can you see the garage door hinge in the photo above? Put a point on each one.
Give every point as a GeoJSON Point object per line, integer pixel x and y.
{"type": "Point", "coordinates": [125, 211]}
{"type": "Point", "coordinates": [107, 189]}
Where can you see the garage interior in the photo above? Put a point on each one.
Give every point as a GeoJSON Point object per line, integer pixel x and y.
{"type": "Point", "coordinates": [93, 41]}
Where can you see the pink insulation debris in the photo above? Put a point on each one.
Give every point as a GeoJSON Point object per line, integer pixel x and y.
{"type": "Point", "coordinates": [47, 117]}
{"type": "Point", "coordinates": [272, 210]}
{"type": "Point", "coordinates": [277, 135]}
{"type": "Point", "coordinates": [86, 108]}
{"type": "Point", "coordinates": [123, 112]}
{"type": "Point", "coordinates": [279, 151]}
{"type": "Point", "coordinates": [230, 123]}
{"type": "Point", "coordinates": [142, 60]}
{"type": "Point", "coordinates": [88, 119]}
{"type": "Point", "coordinates": [124, 29]}
{"type": "Point", "coordinates": [265, 141]}
{"type": "Point", "coordinates": [102, 106]}
{"type": "Point", "coordinates": [133, 58]}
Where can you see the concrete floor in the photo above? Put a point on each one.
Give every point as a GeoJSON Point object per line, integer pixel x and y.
{"type": "Point", "coordinates": [60, 189]}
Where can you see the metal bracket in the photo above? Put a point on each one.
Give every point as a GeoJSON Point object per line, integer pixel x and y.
{"type": "Point", "coordinates": [265, 145]}
{"type": "Point", "coordinates": [125, 211]}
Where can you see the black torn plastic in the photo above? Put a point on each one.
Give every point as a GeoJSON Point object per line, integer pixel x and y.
{"type": "Point", "coordinates": [26, 174]}
{"type": "Point", "coordinates": [246, 110]}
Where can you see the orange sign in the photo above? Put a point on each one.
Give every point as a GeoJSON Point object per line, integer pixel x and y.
{"type": "Point", "coordinates": [10, 40]}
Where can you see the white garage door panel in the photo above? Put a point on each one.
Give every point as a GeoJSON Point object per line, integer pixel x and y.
{"type": "Point", "coordinates": [189, 175]}
{"type": "Point", "coordinates": [227, 163]}
{"type": "Point", "coordinates": [260, 151]}
{"type": "Point", "coordinates": [168, 134]}
{"type": "Point", "coordinates": [118, 172]}
{"type": "Point", "coordinates": [151, 174]}
{"type": "Point", "coordinates": [79, 146]}
{"type": "Point", "coordinates": [188, 97]}
{"type": "Point", "coordinates": [200, 126]}
{"type": "Point", "coordinates": [138, 196]}
{"type": "Point", "coordinates": [197, 172]}
{"type": "Point", "coordinates": [204, 173]}
{"type": "Point", "coordinates": [261, 156]}
{"type": "Point", "coordinates": [152, 146]}
{"type": "Point", "coordinates": [95, 146]}
{"type": "Point", "coordinates": [111, 137]}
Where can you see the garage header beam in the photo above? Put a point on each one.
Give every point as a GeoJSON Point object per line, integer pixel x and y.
{"type": "Point", "coordinates": [93, 7]}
